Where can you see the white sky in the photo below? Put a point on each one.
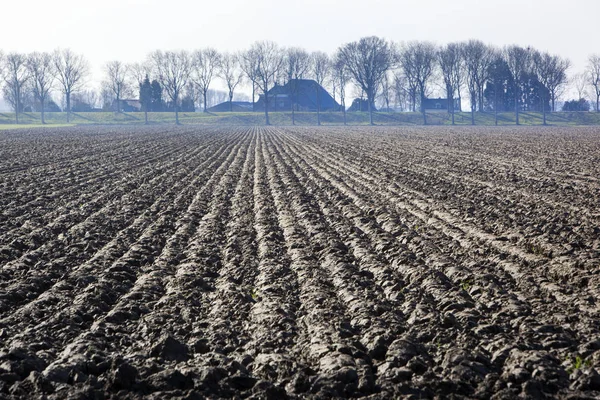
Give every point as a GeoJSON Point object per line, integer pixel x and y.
{"type": "Point", "coordinates": [129, 29]}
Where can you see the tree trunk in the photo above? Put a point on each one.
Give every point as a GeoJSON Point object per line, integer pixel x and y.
{"type": "Point", "coordinates": [42, 105]}
{"type": "Point", "coordinates": [370, 111]}
{"type": "Point", "coordinates": [230, 101]}
{"type": "Point", "coordinates": [423, 106]}
{"type": "Point", "coordinates": [68, 94]}
{"type": "Point", "coordinates": [267, 122]}
{"type": "Point", "coordinates": [544, 109]}
{"type": "Point", "coordinates": [344, 109]}
{"type": "Point", "coordinates": [318, 105]}
{"type": "Point", "coordinates": [451, 97]}
{"type": "Point", "coordinates": [516, 108]}
{"type": "Point", "coordinates": [253, 97]}
{"type": "Point", "coordinates": [146, 115]}
{"type": "Point", "coordinates": [204, 95]}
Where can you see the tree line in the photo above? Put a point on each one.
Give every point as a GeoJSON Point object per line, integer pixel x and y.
{"type": "Point", "coordinates": [494, 79]}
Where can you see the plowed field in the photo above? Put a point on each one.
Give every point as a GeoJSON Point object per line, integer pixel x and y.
{"type": "Point", "coordinates": [300, 262]}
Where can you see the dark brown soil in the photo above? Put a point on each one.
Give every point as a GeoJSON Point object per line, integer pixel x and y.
{"type": "Point", "coordinates": [192, 263]}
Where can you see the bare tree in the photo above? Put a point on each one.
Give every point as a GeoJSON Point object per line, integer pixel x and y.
{"type": "Point", "coordinates": [321, 70]}
{"type": "Point", "coordinates": [387, 90]}
{"type": "Point", "coordinates": [173, 70]}
{"type": "Point", "coordinates": [231, 72]}
{"type": "Point", "coordinates": [140, 74]}
{"type": "Point", "coordinates": [70, 71]}
{"type": "Point", "coordinates": [518, 60]}
{"type": "Point", "coordinates": [297, 64]}
{"type": "Point", "coordinates": [557, 77]}
{"type": "Point", "coordinates": [402, 95]}
{"type": "Point", "coordinates": [117, 74]}
{"type": "Point", "coordinates": [451, 64]}
{"type": "Point", "coordinates": [579, 82]}
{"type": "Point", "coordinates": [367, 62]}
{"type": "Point", "coordinates": [41, 70]}
{"type": "Point", "coordinates": [341, 76]}
{"type": "Point", "coordinates": [249, 64]}
{"type": "Point", "coordinates": [270, 60]}
{"type": "Point", "coordinates": [593, 74]}
{"type": "Point", "coordinates": [139, 71]}
{"type": "Point", "coordinates": [15, 75]}
{"type": "Point", "coordinates": [205, 65]}
{"type": "Point", "coordinates": [478, 57]}
{"type": "Point", "coordinates": [418, 61]}
{"type": "Point", "coordinates": [551, 73]}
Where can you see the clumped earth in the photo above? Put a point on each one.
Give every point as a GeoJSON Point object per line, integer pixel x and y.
{"type": "Point", "coordinates": [300, 263]}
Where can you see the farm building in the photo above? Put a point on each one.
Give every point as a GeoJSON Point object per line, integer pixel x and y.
{"type": "Point", "coordinates": [440, 104]}
{"type": "Point", "coordinates": [128, 105]}
{"type": "Point", "coordinates": [306, 94]}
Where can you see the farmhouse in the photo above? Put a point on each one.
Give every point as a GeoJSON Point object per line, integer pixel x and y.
{"type": "Point", "coordinates": [128, 105]}
{"type": "Point", "coordinates": [305, 94]}
{"type": "Point", "coordinates": [440, 104]}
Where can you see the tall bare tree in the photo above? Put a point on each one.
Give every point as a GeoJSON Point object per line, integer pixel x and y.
{"type": "Point", "coordinates": [15, 75]}
{"type": "Point", "coordinates": [579, 82]}
{"type": "Point", "coordinates": [205, 66]}
{"type": "Point", "coordinates": [231, 72]}
{"type": "Point", "coordinates": [367, 61]}
{"type": "Point", "coordinates": [139, 71]}
{"type": "Point", "coordinates": [593, 74]}
{"type": "Point", "coordinates": [341, 76]}
{"type": "Point", "coordinates": [557, 78]}
{"type": "Point", "coordinates": [173, 69]}
{"type": "Point", "coordinates": [296, 66]}
{"type": "Point", "coordinates": [70, 71]}
{"type": "Point", "coordinates": [41, 70]}
{"type": "Point", "coordinates": [478, 57]}
{"type": "Point", "coordinates": [269, 64]}
{"type": "Point", "coordinates": [321, 70]}
{"type": "Point", "coordinates": [550, 71]}
{"type": "Point", "coordinates": [451, 63]}
{"type": "Point", "coordinates": [418, 62]}
{"type": "Point", "coordinates": [249, 64]}
{"type": "Point", "coordinates": [518, 60]}
{"type": "Point", "coordinates": [117, 80]}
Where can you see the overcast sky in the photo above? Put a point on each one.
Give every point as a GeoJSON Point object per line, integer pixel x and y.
{"type": "Point", "coordinates": [128, 29]}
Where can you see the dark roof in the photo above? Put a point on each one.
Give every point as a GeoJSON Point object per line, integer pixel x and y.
{"type": "Point", "coordinates": [304, 92]}
{"type": "Point", "coordinates": [438, 104]}
{"type": "Point", "coordinates": [238, 106]}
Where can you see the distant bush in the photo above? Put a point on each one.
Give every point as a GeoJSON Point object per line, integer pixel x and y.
{"type": "Point", "coordinates": [576, 105]}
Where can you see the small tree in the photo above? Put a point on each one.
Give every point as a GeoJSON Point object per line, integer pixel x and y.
{"type": "Point", "coordinates": [116, 73]}
{"type": "Point", "coordinates": [367, 62]}
{"type": "Point", "coordinates": [321, 69]}
{"type": "Point", "coordinates": [297, 64]}
{"type": "Point", "coordinates": [418, 62]}
{"type": "Point", "coordinates": [146, 97]}
{"type": "Point", "coordinates": [40, 68]}
{"type": "Point", "coordinates": [70, 71]}
{"type": "Point", "coordinates": [450, 61]}
{"type": "Point", "coordinates": [173, 70]}
{"type": "Point", "coordinates": [341, 76]}
{"type": "Point", "coordinates": [593, 74]}
{"type": "Point", "coordinates": [16, 75]}
{"type": "Point", "coordinates": [269, 63]}
{"type": "Point", "coordinates": [205, 65]}
{"type": "Point", "coordinates": [231, 73]}
{"type": "Point", "coordinates": [518, 60]}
